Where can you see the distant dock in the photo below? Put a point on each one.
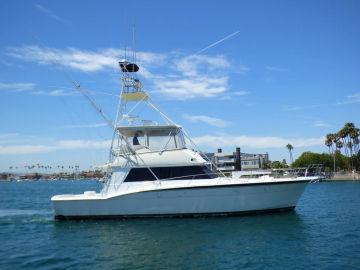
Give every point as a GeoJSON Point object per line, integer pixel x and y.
{"type": "Point", "coordinates": [343, 176]}
{"type": "Point", "coordinates": [51, 176]}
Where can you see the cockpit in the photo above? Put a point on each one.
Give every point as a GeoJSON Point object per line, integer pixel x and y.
{"type": "Point", "coordinates": [153, 138]}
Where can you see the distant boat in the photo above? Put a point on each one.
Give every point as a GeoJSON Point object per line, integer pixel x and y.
{"type": "Point", "coordinates": [152, 172]}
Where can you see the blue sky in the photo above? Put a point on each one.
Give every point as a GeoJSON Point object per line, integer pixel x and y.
{"type": "Point", "coordinates": [289, 75]}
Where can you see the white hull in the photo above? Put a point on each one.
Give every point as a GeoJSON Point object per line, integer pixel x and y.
{"type": "Point", "coordinates": [192, 200]}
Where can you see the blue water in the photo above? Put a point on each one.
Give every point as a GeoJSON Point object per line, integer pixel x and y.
{"type": "Point", "coordinates": [323, 232]}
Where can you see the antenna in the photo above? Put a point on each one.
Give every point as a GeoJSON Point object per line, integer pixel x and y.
{"type": "Point", "coordinates": [133, 48]}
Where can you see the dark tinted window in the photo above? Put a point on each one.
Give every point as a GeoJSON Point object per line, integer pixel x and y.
{"type": "Point", "coordinates": [178, 173]}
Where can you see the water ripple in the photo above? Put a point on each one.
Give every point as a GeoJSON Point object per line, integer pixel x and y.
{"type": "Point", "coordinates": [323, 232]}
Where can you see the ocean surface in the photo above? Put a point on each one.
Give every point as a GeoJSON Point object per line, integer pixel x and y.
{"type": "Point", "coordinates": [322, 233]}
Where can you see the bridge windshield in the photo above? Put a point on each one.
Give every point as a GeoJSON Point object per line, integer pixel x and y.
{"type": "Point", "coordinates": [155, 138]}
{"type": "Point", "coordinates": [162, 140]}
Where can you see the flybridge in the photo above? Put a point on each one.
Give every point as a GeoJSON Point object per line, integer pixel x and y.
{"type": "Point", "coordinates": [137, 142]}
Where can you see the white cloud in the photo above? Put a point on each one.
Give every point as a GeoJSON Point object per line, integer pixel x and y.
{"type": "Point", "coordinates": [82, 60]}
{"type": "Point", "coordinates": [255, 141]}
{"type": "Point", "coordinates": [30, 88]}
{"type": "Point", "coordinates": [187, 88]}
{"type": "Point", "coordinates": [25, 149]}
{"type": "Point", "coordinates": [241, 69]}
{"type": "Point", "coordinates": [232, 94]}
{"type": "Point", "coordinates": [320, 124]}
{"type": "Point", "coordinates": [351, 99]}
{"type": "Point", "coordinates": [8, 135]}
{"type": "Point", "coordinates": [212, 121]}
{"type": "Point", "coordinates": [210, 141]}
{"type": "Point", "coordinates": [150, 58]}
{"type": "Point", "coordinates": [200, 76]}
{"type": "Point", "coordinates": [55, 93]}
{"type": "Point", "coordinates": [355, 96]}
{"type": "Point", "coordinates": [194, 76]}
{"type": "Point", "coordinates": [240, 93]}
{"type": "Point", "coordinates": [21, 149]}
{"type": "Point", "coordinates": [96, 125]}
{"type": "Point", "coordinates": [299, 108]}
{"type": "Point", "coordinates": [193, 64]}
{"type": "Point", "coordinates": [6, 63]}
{"type": "Point", "coordinates": [86, 61]}
{"type": "Point", "coordinates": [83, 144]}
{"type": "Point", "coordinates": [273, 68]}
{"type": "Point", "coordinates": [6, 138]}
{"type": "Point", "coordinates": [227, 97]}
{"type": "Point", "coordinates": [17, 87]}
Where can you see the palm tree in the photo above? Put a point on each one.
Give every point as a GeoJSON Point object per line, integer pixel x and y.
{"type": "Point", "coordinates": [350, 128]}
{"type": "Point", "coordinates": [343, 133]}
{"type": "Point", "coordinates": [290, 148]}
{"type": "Point", "coordinates": [351, 142]}
{"type": "Point", "coordinates": [329, 142]}
{"type": "Point", "coordinates": [350, 146]}
{"type": "Point", "coordinates": [339, 145]}
{"type": "Point", "coordinates": [354, 136]}
{"type": "Point", "coordinates": [336, 139]}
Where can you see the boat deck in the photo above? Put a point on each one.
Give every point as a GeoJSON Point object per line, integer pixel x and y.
{"type": "Point", "coordinates": [146, 186]}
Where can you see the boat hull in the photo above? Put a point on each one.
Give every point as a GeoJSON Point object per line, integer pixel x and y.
{"type": "Point", "coordinates": [189, 201]}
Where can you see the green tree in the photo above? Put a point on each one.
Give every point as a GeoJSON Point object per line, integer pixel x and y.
{"type": "Point", "coordinates": [308, 158]}
{"type": "Point", "coordinates": [277, 165]}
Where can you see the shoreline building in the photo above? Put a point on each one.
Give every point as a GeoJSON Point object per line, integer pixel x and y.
{"type": "Point", "coordinates": [237, 161]}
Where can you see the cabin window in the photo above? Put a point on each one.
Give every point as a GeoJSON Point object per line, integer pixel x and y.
{"type": "Point", "coordinates": [171, 173]}
{"type": "Point", "coordinates": [155, 138]}
{"type": "Point", "coordinates": [163, 141]}
{"type": "Point", "coordinates": [137, 139]}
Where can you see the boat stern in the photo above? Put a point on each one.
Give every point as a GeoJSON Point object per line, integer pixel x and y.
{"type": "Point", "coordinates": [67, 205]}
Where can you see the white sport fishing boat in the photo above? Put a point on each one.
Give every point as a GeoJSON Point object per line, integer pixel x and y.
{"type": "Point", "coordinates": [151, 172]}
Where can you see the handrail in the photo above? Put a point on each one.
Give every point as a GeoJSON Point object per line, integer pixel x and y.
{"type": "Point", "coordinates": [154, 151]}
